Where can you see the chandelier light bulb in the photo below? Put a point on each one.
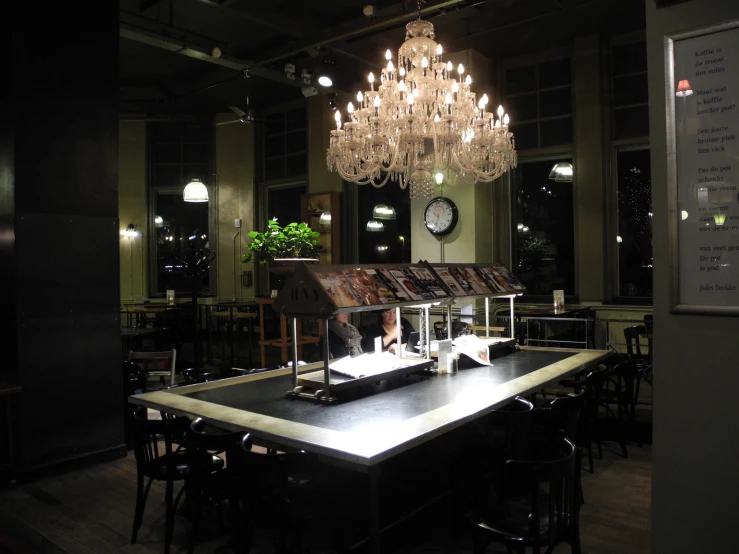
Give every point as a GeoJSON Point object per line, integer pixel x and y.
{"type": "Point", "coordinates": [506, 120]}
{"type": "Point", "coordinates": [501, 111]}
{"type": "Point", "coordinates": [439, 178]}
{"type": "Point", "coordinates": [337, 117]}
{"type": "Point", "coordinates": [396, 135]}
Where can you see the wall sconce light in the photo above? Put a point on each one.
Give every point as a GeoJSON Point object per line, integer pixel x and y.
{"type": "Point", "coordinates": [195, 191]}
{"type": "Point", "coordinates": [382, 211]}
{"type": "Point", "coordinates": [561, 172]}
{"type": "Point", "coordinates": [439, 178]}
{"type": "Point", "coordinates": [619, 239]}
{"type": "Point", "coordinates": [374, 226]}
{"type": "Point", "coordinates": [683, 89]}
{"type": "Point", "coordinates": [719, 219]}
{"type": "Point", "coordinates": [325, 219]}
{"type": "Point", "coordinates": [683, 215]}
{"type": "Point", "coordinates": [158, 220]}
{"type": "Point", "coordinates": [130, 231]}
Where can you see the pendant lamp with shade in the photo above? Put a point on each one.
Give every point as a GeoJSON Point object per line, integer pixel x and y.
{"type": "Point", "coordinates": [562, 172]}
{"type": "Point", "coordinates": [195, 191]}
{"type": "Point", "coordinates": [383, 211]}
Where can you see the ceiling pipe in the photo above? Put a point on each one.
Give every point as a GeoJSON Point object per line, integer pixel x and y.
{"type": "Point", "coordinates": [369, 29]}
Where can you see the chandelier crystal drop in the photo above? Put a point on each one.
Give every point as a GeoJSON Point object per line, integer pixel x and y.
{"type": "Point", "coordinates": [420, 120]}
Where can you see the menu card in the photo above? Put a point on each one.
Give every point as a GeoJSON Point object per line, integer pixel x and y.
{"type": "Point", "coordinates": [707, 158]}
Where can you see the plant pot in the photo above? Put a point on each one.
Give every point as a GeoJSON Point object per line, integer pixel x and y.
{"type": "Point", "coordinates": [285, 266]}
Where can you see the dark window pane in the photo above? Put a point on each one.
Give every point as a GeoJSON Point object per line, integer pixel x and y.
{"type": "Point", "coordinates": [543, 229]}
{"type": "Point", "coordinates": [556, 131]}
{"type": "Point", "coordinates": [296, 119]}
{"type": "Point", "coordinates": [630, 90]}
{"type": "Point", "coordinates": [521, 79]}
{"type": "Point", "coordinates": [274, 168]}
{"type": "Point", "coordinates": [555, 102]}
{"type": "Point", "coordinates": [296, 142]}
{"type": "Point", "coordinates": [201, 172]}
{"type": "Point", "coordinates": [526, 135]}
{"type": "Point", "coordinates": [167, 153]}
{"type": "Point", "coordinates": [297, 165]}
{"type": "Point", "coordinates": [167, 132]}
{"type": "Point", "coordinates": [185, 226]}
{"type": "Point", "coordinates": [630, 58]}
{"type": "Point", "coordinates": [522, 108]}
{"type": "Point", "coordinates": [274, 125]}
{"type": "Point", "coordinates": [631, 122]}
{"type": "Point", "coordinates": [197, 132]}
{"type": "Point", "coordinates": [554, 73]}
{"type": "Point", "coordinates": [167, 175]}
{"type": "Point", "coordinates": [274, 146]}
{"type": "Point", "coordinates": [634, 223]}
{"type": "Point", "coordinates": [196, 153]}
{"type": "Point", "coordinates": [397, 250]}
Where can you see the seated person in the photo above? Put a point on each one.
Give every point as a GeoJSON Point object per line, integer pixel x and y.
{"type": "Point", "coordinates": [385, 328]}
{"type": "Point", "coordinates": [343, 338]}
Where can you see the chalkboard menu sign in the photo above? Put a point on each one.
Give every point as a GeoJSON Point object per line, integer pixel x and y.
{"type": "Point", "coordinates": [703, 147]}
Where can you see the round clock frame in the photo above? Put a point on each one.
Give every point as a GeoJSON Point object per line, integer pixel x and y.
{"type": "Point", "coordinates": [455, 216]}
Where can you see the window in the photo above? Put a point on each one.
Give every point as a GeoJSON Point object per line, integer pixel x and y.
{"type": "Point", "coordinates": [178, 153]}
{"type": "Point", "coordinates": [285, 145]}
{"type": "Point", "coordinates": [543, 229]}
{"type": "Point", "coordinates": [630, 93]}
{"type": "Point", "coordinates": [392, 243]}
{"type": "Point", "coordinates": [539, 101]}
{"type": "Point", "coordinates": [634, 241]}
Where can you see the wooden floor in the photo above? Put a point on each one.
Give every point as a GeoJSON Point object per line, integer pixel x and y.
{"type": "Point", "coordinates": [90, 512]}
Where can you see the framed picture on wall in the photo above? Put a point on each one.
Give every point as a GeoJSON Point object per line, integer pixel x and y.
{"type": "Point", "coordinates": [702, 97]}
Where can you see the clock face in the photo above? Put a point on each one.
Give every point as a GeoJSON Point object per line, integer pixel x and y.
{"type": "Point", "coordinates": [440, 216]}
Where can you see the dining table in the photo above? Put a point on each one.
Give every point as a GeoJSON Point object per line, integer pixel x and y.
{"type": "Point", "coordinates": [371, 424]}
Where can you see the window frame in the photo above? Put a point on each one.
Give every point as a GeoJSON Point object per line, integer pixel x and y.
{"type": "Point", "coordinates": [151, 196]}
{"type": "Point", "coordinates": [536, 60]}
{"type": "Point", "coordinates": [549, 155]}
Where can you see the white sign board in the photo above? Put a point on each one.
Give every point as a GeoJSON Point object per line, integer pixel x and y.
{"type": "Point", "coordinates": [704, 91]}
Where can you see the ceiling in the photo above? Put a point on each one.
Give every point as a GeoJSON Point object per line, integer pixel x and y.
{"type": "Point", "coordinates": [168, 66]}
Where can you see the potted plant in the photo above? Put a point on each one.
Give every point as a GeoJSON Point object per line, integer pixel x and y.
{"type": "Point", "coordinates": [283, 246]}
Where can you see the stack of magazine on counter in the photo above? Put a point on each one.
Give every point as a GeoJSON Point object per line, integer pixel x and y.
{"type": "Point", "coordinates": [473, 347]}
{"type": "Point", "coordinates": [368, 364]}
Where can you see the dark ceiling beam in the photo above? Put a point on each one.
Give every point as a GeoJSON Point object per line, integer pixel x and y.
{"type": "Point", "coordinates": [146, 4]}
{"type": "Point", "coordinates": [260, 16]}
{"type": "Point", "coordinates": [144, 36]}
{"type": "Point", "coordinates": [359, 27]}
{"type": "Point", "coordinates": [284, 25]}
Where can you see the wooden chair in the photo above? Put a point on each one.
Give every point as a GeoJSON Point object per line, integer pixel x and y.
{"type": "Point", "coordinates": [538, 507]}
{"type": "Point", "coordinates": [156, 364]}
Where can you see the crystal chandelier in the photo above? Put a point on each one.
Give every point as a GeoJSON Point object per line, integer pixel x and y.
{"type": "Point", "coordinates": [421, 120]}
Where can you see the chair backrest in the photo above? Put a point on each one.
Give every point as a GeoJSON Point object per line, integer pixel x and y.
{"type": "Point", "coordinates": [156, 363]}
{"type": "Point", "coordinates": [631, 335]}
{"type": "Point", "coordinates": [265, 477]}
{"type": "Point", "coordinates": [514, 418]}
{"type": "Point", "coordinates": [154, 438]}
{"type": "Point", "coordinates": [553, 493]}
{"type": "Point", "coordinates": [567, 413]}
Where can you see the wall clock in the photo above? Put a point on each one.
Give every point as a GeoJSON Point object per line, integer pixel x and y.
{"type": "Point", "coordinates": [440, 216]}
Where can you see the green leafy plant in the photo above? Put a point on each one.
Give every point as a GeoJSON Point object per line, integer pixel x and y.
{"type": "Point", "coordinates": [295, 240]}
